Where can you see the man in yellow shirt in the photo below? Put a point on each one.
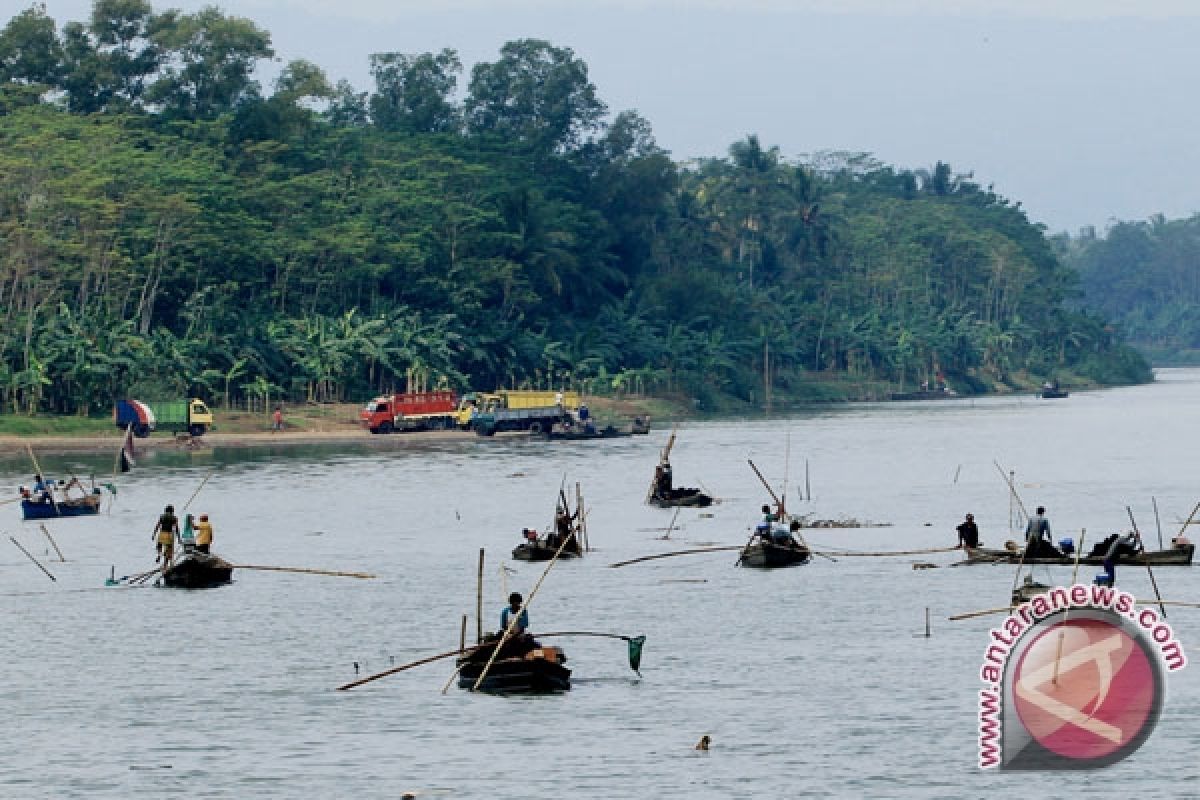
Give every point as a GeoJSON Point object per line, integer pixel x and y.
{"type": "Point", "coordinates": [204, 534]}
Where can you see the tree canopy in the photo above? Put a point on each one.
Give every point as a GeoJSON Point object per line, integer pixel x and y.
{"type": "Point", "coordinates": [168, 227]}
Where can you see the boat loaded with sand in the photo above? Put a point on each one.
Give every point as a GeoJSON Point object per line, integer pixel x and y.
{"type": "Point", "coordinates": [197, 570]}
{"type": "Point", "coordinates": [570, 532]}
{"type": "Point", "coordinates": [523, 666]}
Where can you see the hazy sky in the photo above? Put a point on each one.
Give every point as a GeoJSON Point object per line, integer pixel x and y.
{"type": "Point", "coordinates": [1081, 110]}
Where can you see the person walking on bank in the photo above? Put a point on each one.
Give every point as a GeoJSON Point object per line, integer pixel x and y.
{"type": "Point", "coordinates": [968, 533]}
{"type": "Point", "coordinates": [277, 419]}
{"type": "Point", "coordinates": [204, 534]}
{"type": "Point", "coordinates": [165, 531]}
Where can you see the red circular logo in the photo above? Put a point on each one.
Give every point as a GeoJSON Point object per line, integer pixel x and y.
{"type": "Point", "coordinates": [1085, 689]}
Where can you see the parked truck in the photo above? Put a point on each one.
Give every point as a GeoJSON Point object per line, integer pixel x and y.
{"type": "Point", "coordinates": [516, 410]}
{"type": "Point", "coordinates": [410, 411]}
{"type": "Point", "coordinates": [190, 415]}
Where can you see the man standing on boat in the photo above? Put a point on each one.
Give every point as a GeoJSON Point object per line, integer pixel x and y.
{"type": "Point", "coordinates": [203, 534]}
{"type": "Point", "coordinates": [164, 535]}
{"type": "Point", "coordinates": [522, 615]}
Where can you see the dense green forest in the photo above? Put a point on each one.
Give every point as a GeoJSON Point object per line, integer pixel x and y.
{"type": "Point", "coordinates": [168, 226]}
{"type": "Point", "coordinates": [1145, 276]}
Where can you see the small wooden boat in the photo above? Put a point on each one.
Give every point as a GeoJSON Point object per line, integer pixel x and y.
{"type": "Point", "coordinates": [198, 570]}
{"type": "Point", "coordinates": [576, 432]}
{"type": "Point", "coordinates": [926, 394]}
{"type": "Point", "coordinates": [541, 550]}
{"type": "Point", "coordinates": [769, 555]}
{"type": "Point", "coordinates": [1053, 394]}
{"type": "Point", "coordinates": [523, 667]}
{"type": "Point", "coordinates": [686, 497]}
{"type": "Point", "coordinates": [1177, 556]}
{"type": "Point", "coordinates": [77, 507]}
{"type": "Point", "coordinates": [1028, 590]}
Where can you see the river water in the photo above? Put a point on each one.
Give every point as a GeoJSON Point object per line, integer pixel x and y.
{"type": "Point", "coordinates": [811, 681]}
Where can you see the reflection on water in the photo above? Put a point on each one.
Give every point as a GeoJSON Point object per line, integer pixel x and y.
{"type": "Point", "coordinates": [809, 680]}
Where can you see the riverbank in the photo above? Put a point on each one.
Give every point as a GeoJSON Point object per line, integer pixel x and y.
{"type": "Point", "coordinates": [309, 424]}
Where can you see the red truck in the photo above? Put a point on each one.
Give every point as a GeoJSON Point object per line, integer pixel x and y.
{"type": "Point", "coordinates": [411, 411]}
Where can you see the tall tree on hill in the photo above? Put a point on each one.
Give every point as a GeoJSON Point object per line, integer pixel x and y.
{"type": "Point", "coordinates": [413, 92]}
{"type": "Point", "coordinates": [537, 95]}
{"type": "Point", "coordinates": [208, 64]}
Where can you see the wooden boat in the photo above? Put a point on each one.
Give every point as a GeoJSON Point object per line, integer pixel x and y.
{"type": "Point", "coordinates": [1028, 590]}
{"type": "Point", "coordinates": [686, 497]}
{"type": "Point", "coordinates": [769, 555]}
{"type": "Point", "coordinates": [198, 570]}
{"type": "Point", "coordinates": [77, 507]}
{"type": "Point", "coordinates": [540, 550]}
{"type": "Point", "coordinates": [926, 394]}
{"type": "Point", "coordinates": [523, 667]}
{"type": "Point", "coordinates": [1053, 394]}
{"type": "Point", "coordinates": [1177, 556]}
{"type": "Point", "coordinates": [576, 432]}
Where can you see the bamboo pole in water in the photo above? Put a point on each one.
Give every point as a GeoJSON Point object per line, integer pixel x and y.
{"type": "Point", "coordinates": [1149, 570]}
{"type": "Point", "coordinates": [479, 601]}
{"type": "Point", "coordinates": [34, 560]}
{"type": "Point", "coordinates": [723, 548]}
{"type": "Point", "coordinates": [54, 543]}
{"type": "Point", "coordinates": [306, 570]}
{"type": "Point", "coordinates": [198, 488]}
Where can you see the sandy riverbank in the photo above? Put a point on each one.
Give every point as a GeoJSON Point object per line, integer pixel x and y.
{"type": "Point", "coordinates": [86, 444]}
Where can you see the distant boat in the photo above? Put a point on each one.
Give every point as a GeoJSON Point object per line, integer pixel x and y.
{"type": "Point", "coordinates": [1053, 393]}
{"type": "Point", "coordinates": [926, 394]}
{"type": "Point", "coordinates": [85, 506]}
{"type": "Point", "coordinates": [1178, 556]}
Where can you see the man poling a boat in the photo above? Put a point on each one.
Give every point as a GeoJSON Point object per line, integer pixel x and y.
{"type": "Point", "coordinates": [521, 625]}
{"type": "Point", "coordinates": [165, 531]}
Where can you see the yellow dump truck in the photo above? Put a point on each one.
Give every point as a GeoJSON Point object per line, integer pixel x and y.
{"type": "Point", "coordinates": [476, 403]}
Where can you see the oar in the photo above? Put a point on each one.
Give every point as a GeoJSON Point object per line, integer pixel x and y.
{"type": "Point", "coordinates": [1191, 516]}
{"type": "Point", "coordinates": [1149, 571]}
{"type": "Point", "coordinates": [307, 570]}
{"type": "Point", "coordinates": [679, 553]}
{"type": "Point", "coordinates": [31, 558]}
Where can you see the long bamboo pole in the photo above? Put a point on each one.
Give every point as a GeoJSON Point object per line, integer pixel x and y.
{"type": "Point", "coordinates": [1157, 521]}
{"type": "Point", "coordinates": [1149, 570]}
{"type": "Point", "coordinates": [512, 623]}
{"type": "Point", "coordinates": [1062, 634]}
{"type": "Point", "coordinates": [306, 570]}
{"type": "Point", "coordinates": [54, 543]}
{"type": "Point", "coordinates": [479, 601]}
{"type": "Point", "coordinates": [198, 488]}
{"type": "Point", "coordinates": [1191, 517]}
{"type": "Point", "coordinates": [723, 548]}
{"type": "Point", "coordinates": [34, 560]}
